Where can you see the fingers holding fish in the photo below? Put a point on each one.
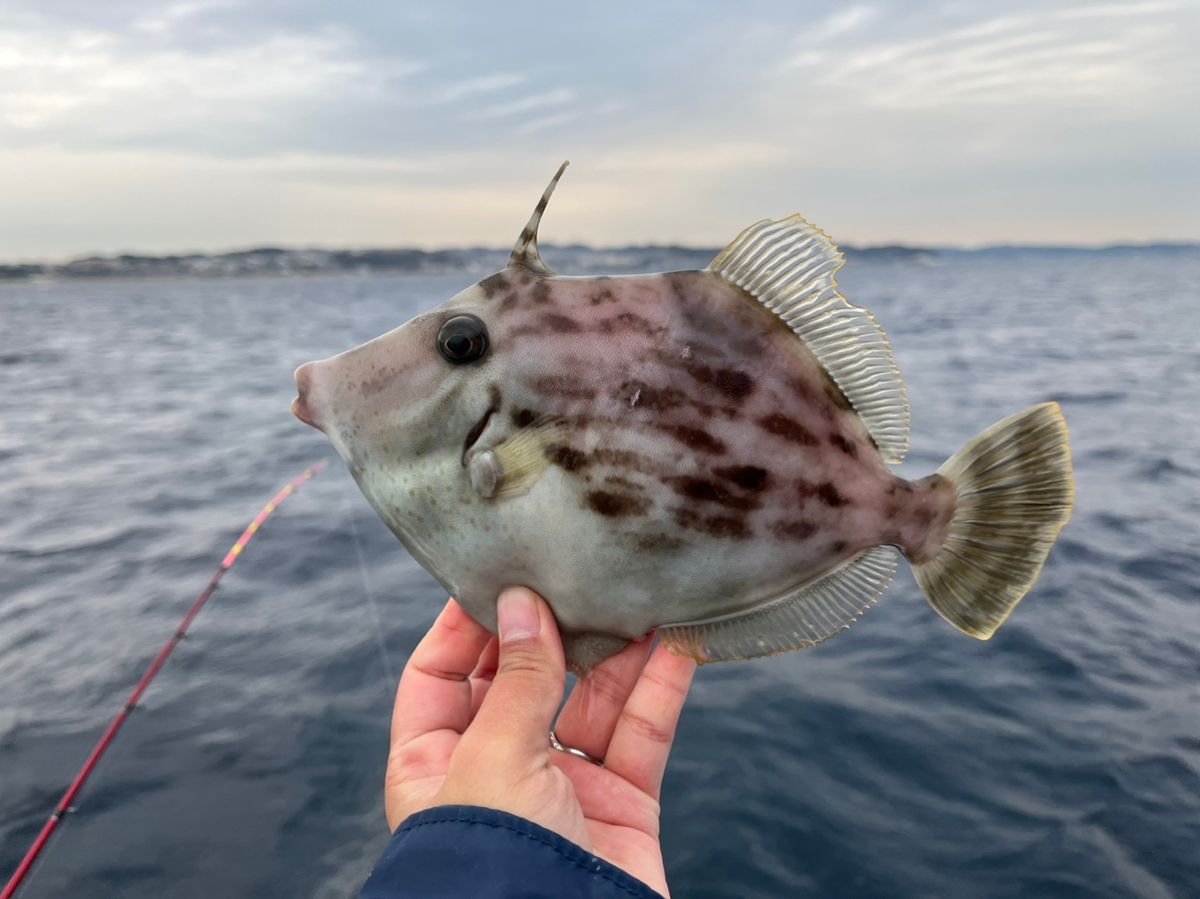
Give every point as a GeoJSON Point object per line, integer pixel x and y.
{"type": "Point", "coordinates": [435, 691]}
{"type": "Point", "coordinates": [433, 707]}
{"type": "Point", "coordinates": [516, 714]}
{"type": "Point", "coordinates": [590, 715]}
{"type": "Point", "coordinates": [484, 674]}
{"type": "Point", "coordinates": [645, 731]}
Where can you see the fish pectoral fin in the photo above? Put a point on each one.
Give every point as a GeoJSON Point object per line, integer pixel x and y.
{"type": "Point", "coordinates": [800, 619]}
{"type": "Point", "coordinates": [513, 466]}
{"type": "Point", "coordinates": [790, 267]}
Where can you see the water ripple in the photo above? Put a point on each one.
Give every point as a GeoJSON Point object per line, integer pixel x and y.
{"type": "Point", "coordinates": [1059, 759]}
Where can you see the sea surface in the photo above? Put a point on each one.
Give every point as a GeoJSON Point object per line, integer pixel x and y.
{"type": "Point", "coordinates": [144, 423]}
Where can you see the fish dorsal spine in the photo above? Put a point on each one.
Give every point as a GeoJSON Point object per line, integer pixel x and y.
{"type": "Point", "coordinates": [790, 267]}
{"type": "Point", "coordinates": [525, 253]}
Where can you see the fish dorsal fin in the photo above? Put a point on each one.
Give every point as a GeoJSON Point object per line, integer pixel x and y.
{"type": "Point", "coordinates": [525, 252]}
{"type": "Point", "coordinates": [800, 619]}
{"type": "Point", "coordinates": [789, 266]}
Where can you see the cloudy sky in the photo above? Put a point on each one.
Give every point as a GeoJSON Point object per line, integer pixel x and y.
{"type": "Point", "coordinates": [211, 124]}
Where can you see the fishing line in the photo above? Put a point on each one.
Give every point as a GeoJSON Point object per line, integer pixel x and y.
{"type": "Point", "coordinates": [64, 805]}
{"type": "Point", "coordinates": [371, 604]}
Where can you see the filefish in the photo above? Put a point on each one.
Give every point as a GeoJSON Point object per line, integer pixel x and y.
{"type": "Point", "coordinates": [704, 453]}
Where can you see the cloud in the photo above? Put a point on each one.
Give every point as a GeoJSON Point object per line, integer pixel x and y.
{"type": "Point", "coordinates": [87, 82]}
{"type": "Point", "coordinates": [545, 122]}
{"type": "Point", "coordinates": [1042, 60]}
{"type": "Point", "coordinates": [484, 84]}
{"type": "Point", "coordinates": [530, 103]}
{"type": "Point", "coordinates": [171, 16]}
{"type": "Point", "coordinates": [1124, 10]}
{"type": "Point", "coordinates": [717, 158]}
{"type": "Point", "coordinates": [330, 123]}
{"type": "Point", "coordinates": [842, 22]}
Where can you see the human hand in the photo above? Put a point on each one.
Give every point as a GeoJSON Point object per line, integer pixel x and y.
{"type": "Point", "coordinates": [472, 720]}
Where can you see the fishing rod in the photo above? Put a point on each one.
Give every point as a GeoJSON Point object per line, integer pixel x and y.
{"type": "Point", "coordinates": [64, 805]}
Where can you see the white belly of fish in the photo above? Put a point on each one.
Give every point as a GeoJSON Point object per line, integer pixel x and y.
{"type": "Point", "coordinates": [588, 569]}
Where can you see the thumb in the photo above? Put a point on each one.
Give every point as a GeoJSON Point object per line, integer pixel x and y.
{"type": "Point", "coordinates": [519, 708]}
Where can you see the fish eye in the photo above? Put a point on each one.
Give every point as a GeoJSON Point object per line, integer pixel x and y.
{"type": "Point", "coordinates": [462, 339]}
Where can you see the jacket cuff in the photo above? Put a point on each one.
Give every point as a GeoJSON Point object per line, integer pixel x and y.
{"type": "Point", "coordinates": [465, 850]}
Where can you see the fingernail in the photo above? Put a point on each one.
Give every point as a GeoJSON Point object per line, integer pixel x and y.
{"type": "Point", "coordinates": [518, 616]}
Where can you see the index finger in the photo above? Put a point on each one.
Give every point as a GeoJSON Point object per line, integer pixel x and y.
{"type": "Point", "coordinates": [435, 690]}
{"type": "Point", "coordinates": [642, 741]}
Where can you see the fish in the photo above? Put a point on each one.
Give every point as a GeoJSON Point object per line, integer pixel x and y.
{"type": "Point", "coordinates": [700, 453]}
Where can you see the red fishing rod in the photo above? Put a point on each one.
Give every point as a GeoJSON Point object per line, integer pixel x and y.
{"type": "Point", "coordinates": [64, 805]}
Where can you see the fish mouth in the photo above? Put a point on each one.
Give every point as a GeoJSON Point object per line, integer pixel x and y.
{"type": "Point", "coordinates": [301, 412]}
{"type": "Point", "coordinates": [477, 430]}
{"type": "Point", "coordinates": [300, 407]}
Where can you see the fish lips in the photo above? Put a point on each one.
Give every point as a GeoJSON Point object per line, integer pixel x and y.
{"type": "Point", "coordinates": [301, 405]}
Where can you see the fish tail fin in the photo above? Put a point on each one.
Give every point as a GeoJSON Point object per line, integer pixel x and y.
{"type": "Point", "coordinates": [1015, 490]}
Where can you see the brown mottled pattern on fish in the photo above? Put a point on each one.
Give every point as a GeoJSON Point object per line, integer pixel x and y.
{"type": "Point", "coordinates": [707, 411]}
{"type": "Point", "coordinates": [677, 449]}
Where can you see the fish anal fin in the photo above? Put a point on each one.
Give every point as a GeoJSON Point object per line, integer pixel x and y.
{"type": "Point", "coordinates": [584, 651]}
{"type": "Point", "coordinates": [513, 466]}
{"type": "Point", "coordinates": [804, 618]}
{"type": "Point", "coordinates": [790, 267]}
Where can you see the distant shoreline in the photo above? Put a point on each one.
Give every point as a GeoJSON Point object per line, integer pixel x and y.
{"type": "Point", "coordinates": [574, 258]}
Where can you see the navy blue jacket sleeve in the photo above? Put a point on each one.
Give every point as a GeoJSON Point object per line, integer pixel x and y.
{"type": "Point", "coordinates": [456, 851]}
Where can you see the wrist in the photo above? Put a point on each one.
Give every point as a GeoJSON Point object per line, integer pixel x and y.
{"type": "Point", "coordinates": [486, 853]}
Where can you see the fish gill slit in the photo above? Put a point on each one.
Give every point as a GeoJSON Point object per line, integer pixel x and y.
{"type": "Point", "coordinates": [480, 426]}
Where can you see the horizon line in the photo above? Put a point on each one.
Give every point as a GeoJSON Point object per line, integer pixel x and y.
{"type": "Point", "coordinates": [846, 246]}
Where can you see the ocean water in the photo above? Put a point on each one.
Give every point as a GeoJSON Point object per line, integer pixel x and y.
{"type": "Point", "coordinates": [142, 424]}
